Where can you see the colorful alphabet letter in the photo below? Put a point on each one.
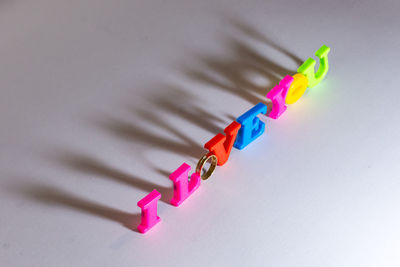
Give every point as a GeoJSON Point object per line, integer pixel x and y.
{"type": "Point", "coordinates": [297, 88]}
{"type": "Point", "coordinates": [308, 67]}
{"type": "Point", "coordinates": [252, 127]}
{"type": "Point", "coordinates": [148, 204]}
{"type": "Point", "coordinates": [183, 188]}
{"type": "Point", "coordinates": [277, 95]}
{"type": "Point", "coordinates": [221, 145]}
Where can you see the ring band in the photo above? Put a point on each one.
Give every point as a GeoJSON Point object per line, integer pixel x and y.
{"type": "Point", "coordinates": [202, 161]}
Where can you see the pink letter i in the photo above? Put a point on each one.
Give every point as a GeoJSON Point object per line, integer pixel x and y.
{"type": "Point", "coordinates": [148, 204]}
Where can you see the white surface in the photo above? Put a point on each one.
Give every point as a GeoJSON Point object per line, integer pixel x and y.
{"type": "Point", "coordinates": [101, 100]}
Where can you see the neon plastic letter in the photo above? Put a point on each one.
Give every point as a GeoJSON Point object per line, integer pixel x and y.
{"type": "Point", "coordinates": [221, 145]}
{"type": "Point", "coordinates": [308, 67]}
{"type": "Point", "coordinates": [277, 95]}
{"type": "Point", "coordinates": [252, 127]}
{"type": "Point", "coordinates": [148, 204]}
{"type": "Point", "coordinates": [297, 88]}
{"type": "Point", "coordinates": [182, 187]}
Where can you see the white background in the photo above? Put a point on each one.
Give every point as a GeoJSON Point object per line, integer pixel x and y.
{"type": "Point", "coordinates": [101, 100]}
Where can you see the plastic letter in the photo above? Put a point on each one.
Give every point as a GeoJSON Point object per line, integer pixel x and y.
{"type": "Point", "coordinates": [308, 67]}
{"type": "Point", "coordinates": [277, 95]}
{"type": "Point", "coordinates": [182, 187]}
{"type": "Point", "coordinates": [297, 88]}
{"type": "Point", "coordinates": [221, 145]}
{"type": "Point", "coordinates": [252, 127]}
{"type": "Point", "coordinates": [148, 204]}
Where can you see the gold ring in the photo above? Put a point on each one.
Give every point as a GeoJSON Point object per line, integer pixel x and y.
{"type": "Point", "coordinates": [202, 161]}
